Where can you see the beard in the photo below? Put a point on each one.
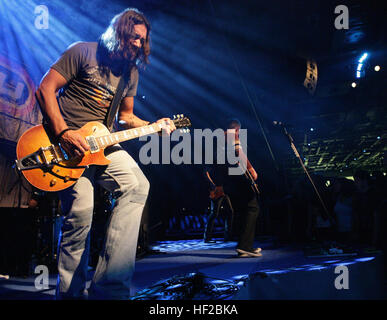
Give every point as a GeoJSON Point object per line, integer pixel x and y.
{"type": "Point", "coordinates": [130, 53]}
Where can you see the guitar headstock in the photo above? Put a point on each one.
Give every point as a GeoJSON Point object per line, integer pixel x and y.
{"type": "Point", "coordinates": [181, 122]}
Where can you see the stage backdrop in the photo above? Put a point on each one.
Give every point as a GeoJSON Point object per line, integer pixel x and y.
{"type": "Point", "coordinates": [18, 112]}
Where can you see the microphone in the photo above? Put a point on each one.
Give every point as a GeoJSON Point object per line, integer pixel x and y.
{"type": "Point", "coordinates": [281, 124]}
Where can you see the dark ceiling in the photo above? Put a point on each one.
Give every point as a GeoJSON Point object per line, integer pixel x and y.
{"type": "Point", "coordinates": [349, 124]}
{"type": "Point", "coordinates": [212, 59]}
{"type": "Point", "coordinates": [267, 45]}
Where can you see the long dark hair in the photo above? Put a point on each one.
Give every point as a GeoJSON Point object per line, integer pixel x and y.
{"type": "Point", "coordinates": [118, 34]}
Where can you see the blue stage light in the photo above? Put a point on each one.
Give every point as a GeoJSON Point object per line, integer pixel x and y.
{"type": "Point", "coordinates": [317, 268]}
{"type": "Point", "coordinates": [331, 261]}
{"type": "Point", "coordinates": [278, 271]}
{"type": "Point", "coordinates": [363, 57]}
{"type": "Point", "coordinates": [365, 259]}
{"type": "Point", "coordinates": [360, 64]}
{"type": "Point", "coordinates": [344, 263]}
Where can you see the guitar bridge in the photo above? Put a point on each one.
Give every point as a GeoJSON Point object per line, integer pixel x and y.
{"type": "Point", "coordinates": [43, 158]}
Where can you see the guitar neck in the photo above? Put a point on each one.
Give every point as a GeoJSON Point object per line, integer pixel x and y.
{"type": "Point", "coordinates": [249, 176]}
{"type": "Point", "coordinates": [125, 135]}
{"type": "Point", "coordinates": [253, 183]}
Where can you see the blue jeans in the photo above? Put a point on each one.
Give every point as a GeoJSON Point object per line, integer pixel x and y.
{"type": "Point", "coordinates": [115, 267]}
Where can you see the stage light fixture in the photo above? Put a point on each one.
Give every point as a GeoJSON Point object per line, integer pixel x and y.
{"type": "Point", "coordinates": [311, 76]}
{"type": "Point", "coordinates": [363, 57]}
{"type": "Point", "coordinates": [377, 68]}
{"type": "Point", "coordinates": [354, 84]}
{"type": "Point", "coordinates": [360, 65]}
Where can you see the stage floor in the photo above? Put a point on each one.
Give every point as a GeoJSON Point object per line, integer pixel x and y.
{"type": "Point", "coordinates": [216, 261]}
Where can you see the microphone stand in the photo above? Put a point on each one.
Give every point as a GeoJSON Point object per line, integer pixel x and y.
{"type": "Point", "coordinates": [290, 138]}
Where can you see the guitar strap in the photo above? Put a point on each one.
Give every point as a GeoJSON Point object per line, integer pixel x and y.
{"type": "Point", "coordinates": [109, 121]}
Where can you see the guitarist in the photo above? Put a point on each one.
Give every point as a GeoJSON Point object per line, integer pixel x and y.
{"type": "Point", "coordinates": [86, 77]}
{"type": "Point", "coordinates": [243, 196]}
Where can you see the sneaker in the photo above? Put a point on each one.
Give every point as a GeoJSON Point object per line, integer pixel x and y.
{"type": "Point", "coordinates": [244, 253]}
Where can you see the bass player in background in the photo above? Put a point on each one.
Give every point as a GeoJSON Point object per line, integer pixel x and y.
{"type": "Point", "coordinates": [243, 194]}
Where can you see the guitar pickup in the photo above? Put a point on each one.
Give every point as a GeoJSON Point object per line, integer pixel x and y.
{"type": "Point", "coordinates": [93, 144]}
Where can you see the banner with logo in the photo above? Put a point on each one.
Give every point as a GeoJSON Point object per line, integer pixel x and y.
{"type": "Point", "coordinates": [18, 108]}
{"type": "Point", "coordinates": [18, 112]}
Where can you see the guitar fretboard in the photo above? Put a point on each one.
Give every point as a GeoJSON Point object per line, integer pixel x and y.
{"type": "Point", "coordinates": [124, 135]}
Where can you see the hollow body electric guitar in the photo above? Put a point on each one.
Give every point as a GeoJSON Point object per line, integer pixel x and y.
{"type": "Point", "coordinates": [46, 166]}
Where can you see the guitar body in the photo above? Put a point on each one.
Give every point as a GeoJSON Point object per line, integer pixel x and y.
{"type": "Point", "coordinates": [58, 177]}
{"type": "Point", "coordinates": [46, 166]}
{"type": "Point", "coordinates": [216, 194]}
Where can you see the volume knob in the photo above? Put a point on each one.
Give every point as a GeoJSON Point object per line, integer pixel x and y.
{"type": "Point", "coordinates": [52, 182]}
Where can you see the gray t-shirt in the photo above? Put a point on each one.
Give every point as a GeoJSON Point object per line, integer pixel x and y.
{"type": "Point", "coordinates": [89, 91]}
